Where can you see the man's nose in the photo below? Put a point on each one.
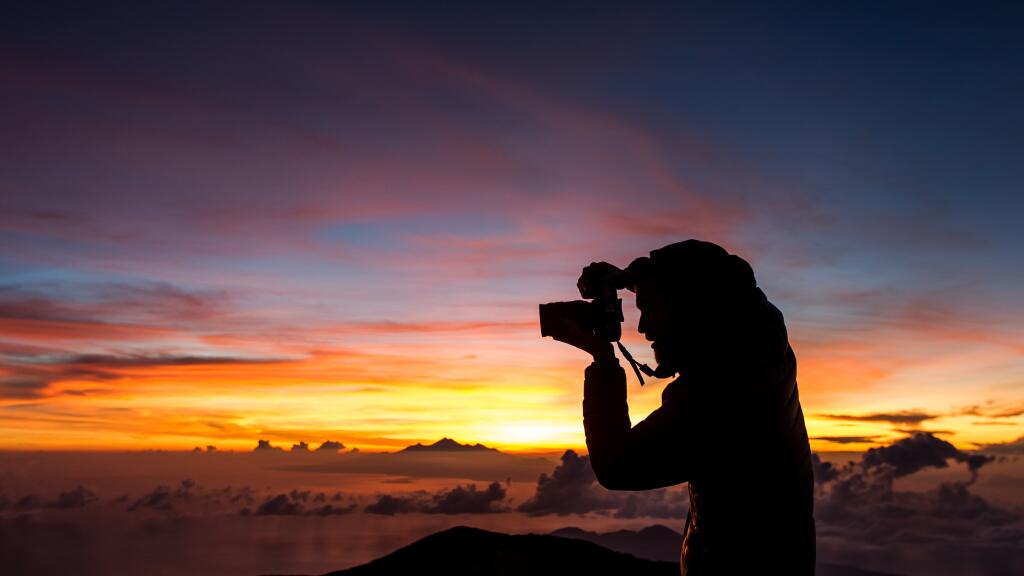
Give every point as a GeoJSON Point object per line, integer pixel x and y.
{"type": "Point", "coordinates": [641, 326]}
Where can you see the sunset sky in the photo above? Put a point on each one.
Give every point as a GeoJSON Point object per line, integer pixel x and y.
{"type": "Point", "coordinates": [238, 221]}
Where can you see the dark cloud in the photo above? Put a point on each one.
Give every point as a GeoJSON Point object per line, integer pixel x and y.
{"type": "Point", "coordinates": [301, 503]}
{"type": "Point", "coordinates": [905, 417]}
{"type": "Point", "coordinates": [330, 446]}
{"type": "Point", "coordinates": [572, 488]}
{"type": "Point", "coordinates": [995, 410]}
{"type": "Point", "coordinates": [110, 361]}
{"type": "Point", "coordinates": [389, 505]}
{"type": "Point", "coordinates": [59, 312]}
{"type": "Point", "coordinates": [165, 498]}
{"type": "Point", "coordinates": [97, 303]}
{"type": "Point", "coordinates": [468, 500]}
{"type": "Point", "coordinates": [653, 504]}
{"type": "Point", "coordinates": [29, 502]}
{"type": "Point", "coordinates": [1013, 447]}
{"type": "Point", "coordinates": [190, 498]}
{"type": "Point", "coordinates": [30, 374]}
{"type": "Point", "coordinates": [921, 450]}
{"type": "Point", "coordinates": [280, 505]}
{"type": "Point", "coordinates": [954, 501]}
{"type": "Point", "coordinates": [823, 471]}
{"type": "Point", "coordinates": [915, 429]}
{"type": "Point", "coordinates": [458, 500]}
{"type": "Point", "coordinates": [265, 446]}
{"type": "Point", "coordinates": [161, 301]}
{"type": "Point", "coordinates": [21, 302]}
{"type": "Point", "coordinates": [874, 510]}
{"type": "Point", "coordinates": [847, 439]}
{"type": "Point", "coordinates": [300, 447]}
{"type": "Point", "coordinates": [243, 495]}
{"type": "Point", "coordinates": [857, 506]}
{"type": "Point", "coordinates": [331, 510]}
{"type": "Point", "coordinates": [77, 498]}
{"type": "Point", "coordinates": [25, 387]}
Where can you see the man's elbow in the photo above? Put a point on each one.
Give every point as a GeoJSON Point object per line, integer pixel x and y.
{"type": "Point", "coordinates": [611, 462]}
{"type": "Point", "coordinates": [612, 483]}
{"type": "Point", "coordinates": [610, 478]}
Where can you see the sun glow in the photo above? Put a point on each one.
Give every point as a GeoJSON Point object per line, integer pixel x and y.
{"type": "Point", "coordinates": [525, 433]}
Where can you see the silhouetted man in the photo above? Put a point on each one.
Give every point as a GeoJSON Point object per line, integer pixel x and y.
{"type": "Point", "coordinates": [731, 424]}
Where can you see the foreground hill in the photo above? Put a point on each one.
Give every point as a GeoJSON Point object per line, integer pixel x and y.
{"type": "Point", "coordinates": [464, 550]}
{"type": "Point", "coordinates": [653, 542]}
{"type": "Point", "coordinates": [471, 551]}
{"type": "Point", "coordinates": [662, 543]}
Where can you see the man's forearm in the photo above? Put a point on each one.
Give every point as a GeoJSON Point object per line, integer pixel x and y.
{"type": "Point", "coordinates": [605, 414]}
{"type": "Point", "coordinates": [626, 457]}
{"type": "Point", "coordinates": [604, 391]}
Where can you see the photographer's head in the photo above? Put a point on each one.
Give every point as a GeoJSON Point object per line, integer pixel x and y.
{"type": "Point", "coordinates": [690, 295]}
{"type": "Point", "coordinates": [698, 305]}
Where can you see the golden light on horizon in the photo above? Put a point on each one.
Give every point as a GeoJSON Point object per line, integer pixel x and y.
{"type": "Point", "coordinates": [533, 409]}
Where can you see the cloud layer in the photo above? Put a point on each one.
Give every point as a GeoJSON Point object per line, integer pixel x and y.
{"type": "Point", "coordinates": [572, 488]}
{"type": "Point", "coordinates": [858, 508]}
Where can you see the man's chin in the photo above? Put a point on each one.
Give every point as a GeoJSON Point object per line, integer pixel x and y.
{"type": "Point", "coordinates": [661, 350]}
{"type": "Point", "coordinates": [663, 359]}
{"type": "Point", "coordinates": [660, 355]}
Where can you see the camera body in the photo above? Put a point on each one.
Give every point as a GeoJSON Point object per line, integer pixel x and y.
{"type": "Point", "coordinates": [602, 314]}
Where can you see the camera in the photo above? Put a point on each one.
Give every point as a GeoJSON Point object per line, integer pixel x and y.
{"type": "Point", "coordinates": [601, 313]}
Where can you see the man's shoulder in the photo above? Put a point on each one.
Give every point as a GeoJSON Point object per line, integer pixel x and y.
{"type": "Point", "coordinates": [739, 386]}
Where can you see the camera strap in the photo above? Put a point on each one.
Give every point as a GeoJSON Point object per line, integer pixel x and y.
{"type": "Point", "coordinates": [636, 366]}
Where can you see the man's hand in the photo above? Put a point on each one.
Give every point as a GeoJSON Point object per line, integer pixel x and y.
{"type": "Point", "coordinates": [599, 274]}
{"type": "Point", "coordinates": [587, 341]}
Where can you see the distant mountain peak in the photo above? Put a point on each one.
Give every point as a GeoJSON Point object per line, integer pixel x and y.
{"type": "Point", "coordinates": [447, 445]}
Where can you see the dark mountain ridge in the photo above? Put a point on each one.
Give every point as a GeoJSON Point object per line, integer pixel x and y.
{"type": "Point", "coordinates": [655, 542]}
{"type": "Point", "coordinates": [463, 550]}
{"type": "Point", "coordinates": [471, 551]}
{"type": "Point", "coordinates": [662, 543]}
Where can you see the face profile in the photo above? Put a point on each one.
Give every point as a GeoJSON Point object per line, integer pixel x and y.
{"type": "Point", "coordinates": [656, 323]}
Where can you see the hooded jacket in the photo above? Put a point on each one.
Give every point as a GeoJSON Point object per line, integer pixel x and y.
{"type": "Point", "coordinates": [730, 425]}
